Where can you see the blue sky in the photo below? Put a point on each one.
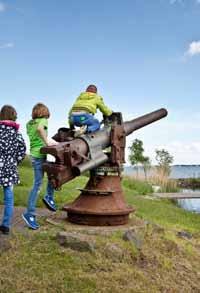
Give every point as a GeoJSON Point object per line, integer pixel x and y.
{"type": "Point", "coordinates": [142, 55]}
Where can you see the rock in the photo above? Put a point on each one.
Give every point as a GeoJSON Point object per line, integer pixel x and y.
{"type": "Point", "coordinates": [76, 241]}
{"type": "Point", "coordinates": [4, 244]}
{"type": "Point", "coordinates": [156, 188]}
{"type": "Point", "coordinates": [157, 228]}
{"type": "Point", "coordinates": [52, 222]}
{"type": "Point", "coordinates": [134, 236]}
{"type": "Point", "coordinates": [147, 222]}
{"type": "Point", "coordinates": [184, 234]}
{"type": "Point", "coordinates": [114, 252]}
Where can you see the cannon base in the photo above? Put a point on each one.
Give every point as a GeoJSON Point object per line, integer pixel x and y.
{"type": "Point", "coordinates": [101, 203]}
{"type": "Point", "coordinates": [94, 220]}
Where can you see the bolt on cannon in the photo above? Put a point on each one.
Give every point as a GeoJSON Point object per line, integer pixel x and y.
{"type": "Point", "coordinates": [102, 153]}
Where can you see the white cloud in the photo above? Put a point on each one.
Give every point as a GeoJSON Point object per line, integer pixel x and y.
{"type": "Point", "coordinates": [2, 7]}
{"type": "Point", "coordinates": [194, 48]}
{"type": "Point", "coordinates": [176, 2]}
{"type": "Point", "coordinates": [183, 152]}
{"type": "Point", "coordinates": [6, 45]}
{"type": "Point", "coordinates": [182, 1]}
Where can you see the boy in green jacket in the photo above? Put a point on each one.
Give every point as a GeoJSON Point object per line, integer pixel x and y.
{"type": "Point", "coordinates": [84, 108]}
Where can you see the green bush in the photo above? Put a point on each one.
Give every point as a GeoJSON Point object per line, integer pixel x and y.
{"type": "Point", "coordinates": [137, 186]}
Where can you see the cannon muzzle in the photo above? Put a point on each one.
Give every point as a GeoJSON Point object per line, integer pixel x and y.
{"type": "Point", "coordinates": [144, 120]}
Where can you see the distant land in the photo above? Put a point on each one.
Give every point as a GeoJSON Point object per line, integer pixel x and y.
{"type": "Point", "coordinates": [177, 171]}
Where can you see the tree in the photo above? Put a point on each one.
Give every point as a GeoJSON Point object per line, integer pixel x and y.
{"type": "Point", "coordinates": [164, 160]}
{"type": "Point", "coordinates": [146, 165]}
{"type": "Point", "coordinates": [136, 155]}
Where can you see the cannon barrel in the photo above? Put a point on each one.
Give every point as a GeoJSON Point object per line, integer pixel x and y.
{"type": "Point", "coordinates": [144, 120]}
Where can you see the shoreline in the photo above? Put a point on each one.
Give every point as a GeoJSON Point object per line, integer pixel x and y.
{"type": "Point", "coordinates": [188, 183]}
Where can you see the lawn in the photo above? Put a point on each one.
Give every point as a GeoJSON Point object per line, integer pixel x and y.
{"type": "Point", "coordinates": [164, 263]}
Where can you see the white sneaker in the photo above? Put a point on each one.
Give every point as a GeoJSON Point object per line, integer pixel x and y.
{"type": "Point", "coordinates": [80, 131]}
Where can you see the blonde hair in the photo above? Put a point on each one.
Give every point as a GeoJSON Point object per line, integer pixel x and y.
{"type": "Point", "coordinates": [40, 111]}
{"type": "Point", "coordinates": [8, 113]}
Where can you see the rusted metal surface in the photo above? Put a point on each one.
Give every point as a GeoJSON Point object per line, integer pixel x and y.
{"type": "Point", "coordinates": [118, 141]}
{"type": "Point", "coordinates": [144, 120]}
{"type": "Point", "coordinates": [100, 203]}
{"type": "Point", "coordinates": [96, 220]}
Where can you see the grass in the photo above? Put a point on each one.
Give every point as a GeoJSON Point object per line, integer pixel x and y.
{"type": "Point", "coordinates": [158, 178]}
{"type": "Point", "coordinates": [166, 184]}
{"type": "Point", "coordinates": [36, 263]}
{"type": "Point", "coordinates": [166, 263]}
{"type": "Point", "coordinates": [164, 213]}
{"type": "Point", "coordinates": [136, 186]}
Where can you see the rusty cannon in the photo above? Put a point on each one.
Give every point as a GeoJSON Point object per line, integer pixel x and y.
{"type": "Point", "coordinates": [102, 153]}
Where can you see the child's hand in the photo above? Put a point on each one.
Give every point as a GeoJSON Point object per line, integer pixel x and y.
{"type": "Point", "coordinates": [51, 142]}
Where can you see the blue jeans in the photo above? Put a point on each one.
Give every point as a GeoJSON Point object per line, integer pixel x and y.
{"type": "Point", "coordinates": [8, 205]}
{"type": "Point", "coordinates": [38, 177]}
{"type": "Point", "coordinates": [92, 123]}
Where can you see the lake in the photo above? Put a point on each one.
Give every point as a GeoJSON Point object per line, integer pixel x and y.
{"type": "Point", "coordinates": [192, 204]}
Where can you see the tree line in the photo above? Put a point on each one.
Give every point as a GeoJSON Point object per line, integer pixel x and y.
{"type": "Point", "coordinates": [163, 158]}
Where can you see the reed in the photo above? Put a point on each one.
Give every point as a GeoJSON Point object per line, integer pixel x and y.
{"type": "Point", "coordinates": [157, 179]}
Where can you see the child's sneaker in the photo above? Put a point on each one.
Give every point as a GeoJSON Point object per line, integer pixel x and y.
{"type": "Point", "coordinates": [80, 131]}
{"type": "Point", "coordinates": [5, 230]}
{"type": "Point", "coordinates": [49, 202]}
{"type": "Point", "coordinates": [30, 221]}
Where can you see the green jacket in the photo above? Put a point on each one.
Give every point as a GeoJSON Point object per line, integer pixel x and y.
{"type": "Point", "coordinates": [90, 102]}
{"type": "Point", "coordinates": [35, 140]}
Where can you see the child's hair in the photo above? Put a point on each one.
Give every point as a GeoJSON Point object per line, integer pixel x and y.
{"type": "Point", "coordinates": [91, 88]}
{"type": "Point", "coordinates": [40, 111]}
{"type": "Point", "coordinates": [8, 112]}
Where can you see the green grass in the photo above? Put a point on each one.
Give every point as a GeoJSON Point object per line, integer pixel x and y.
{"type": "Point", "coordinates": [166, 263]}
{"type": "Point", "coordinates": [136, 186]}
{"type": "Point", "coordinates": [37, 263]}
{"type": "Point", "coordinates": [164, 213]}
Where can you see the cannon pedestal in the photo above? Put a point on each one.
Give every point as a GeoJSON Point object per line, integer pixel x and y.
{"type": "Point", "coordinates": [101, 202]}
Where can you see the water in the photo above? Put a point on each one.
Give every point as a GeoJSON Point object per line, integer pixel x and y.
{"type": "Point", "coordinates": [178, 171]}
{"type": "Point", "coordinates": [192, 204]}
{"type": "Point", "coordinates": [185, 171]}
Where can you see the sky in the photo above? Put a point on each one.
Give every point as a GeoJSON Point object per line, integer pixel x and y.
{"type": "Point", "coordinates": [142, 55]}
